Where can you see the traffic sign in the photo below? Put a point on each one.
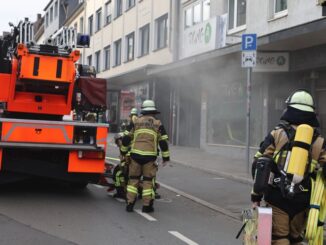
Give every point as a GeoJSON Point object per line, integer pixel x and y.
{"type": "Point", "coordinates": [249, 42]}
{"type": "Point", "coordinates": [248, 59]}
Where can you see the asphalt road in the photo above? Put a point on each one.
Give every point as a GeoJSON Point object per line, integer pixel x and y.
{"type": "Point", "coordinates": [53, 213]}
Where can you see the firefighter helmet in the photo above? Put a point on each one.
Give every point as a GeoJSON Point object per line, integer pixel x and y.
{"type": "Point", "coordinates": [148, 106]}
{"type": "Point", "coordinates": [302, 100]}
{"type": "Point", "coordinates": [134, 111]}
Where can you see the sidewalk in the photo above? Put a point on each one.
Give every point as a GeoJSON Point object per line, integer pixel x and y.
{"type": "Point", "coordinates": [224, 166]}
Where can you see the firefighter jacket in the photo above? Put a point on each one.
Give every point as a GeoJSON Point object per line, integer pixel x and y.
{"type": "Point", "coordinates": [143, 136]}
{"type": "Point", "coordinates": [275, 146]}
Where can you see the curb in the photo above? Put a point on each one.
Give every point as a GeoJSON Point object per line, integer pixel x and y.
{"type": "Point", "coordinates": [237, 178]}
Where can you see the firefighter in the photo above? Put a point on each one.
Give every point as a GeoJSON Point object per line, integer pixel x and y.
{"type": "Point", "coordinates": [289, 211]}
{"type": "Point", "coordinates": [146, 134]}
{"type": "Point", "coordinates": [133, 114]}
{"type": "Point", "coordinates": [120, 172]}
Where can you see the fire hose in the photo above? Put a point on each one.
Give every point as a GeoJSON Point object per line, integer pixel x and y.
{"type": "Point", "coordinates": [317, 212]}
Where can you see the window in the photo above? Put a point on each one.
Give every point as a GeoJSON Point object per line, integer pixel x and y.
{"type": "Point", "coordinates": [90, 25]}
{"type": "Point", "coordinates": [237, 13]}
{"type": "Point", "coordinates": [98, 19]}
{"type": "Point", "coordinates": [81, 25]}
{"type": "Point", "coordinates": [280, 5]}
{"type": "Point", "coordinates": [188, 17]}
{"type": "Point", "coordinates": [51, 14]}
{"type": "Point", "coordinates": [108, 13]}
{"type": "Point", "coordinates": [56, 9]}
{"type": "Point", "coordinates": [130, 4]}
{"type": "Point", "coordinates": [47, 19]}
{"type": "Point", "coordinates": [76, 26]}
{"type": "Point", "coordinates": [206, 9]}
{"type": "Point", "coordinates": [107, 55]}
{"type": "Point", "coordinates": [144, 40]}
{"type": "Point", "coordinates": [197, 14]}
{"type": "Point", "coordinates": [98, 61]}
{"type": "Point", "coordinates": [130, 44]}
{"type": "Point", "coordinates": [161, 32]}
{"type": "Point", "coordinates": [89, 60]}
{"type": "Point", "coordinates": [117, 52]}
{"type": "Point", "coordinates": [118, 8]}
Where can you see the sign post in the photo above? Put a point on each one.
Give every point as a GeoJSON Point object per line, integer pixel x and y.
{"type": "Point", "coordinates": [249, 53]}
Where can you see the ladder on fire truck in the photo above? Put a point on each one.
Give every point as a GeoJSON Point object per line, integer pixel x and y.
{"type": "Point", "coordinates": [66, 38]}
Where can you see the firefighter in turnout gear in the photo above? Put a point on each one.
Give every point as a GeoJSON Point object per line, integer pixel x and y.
{"type": "Point", "coordinates": [120, 172]}
{"type": "Point", "coordinates": [146, 133]}
{"type": "Point", "coordinates": [133, 114]}
{"type": "Point", "coordinates": [289, 193]}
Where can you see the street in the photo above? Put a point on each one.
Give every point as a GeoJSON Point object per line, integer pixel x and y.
{"type": "Point", "coordinates": [53, 213]}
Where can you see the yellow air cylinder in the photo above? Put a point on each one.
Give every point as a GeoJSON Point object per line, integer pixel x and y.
{"type": "Point", "coordinates": [299, 156]}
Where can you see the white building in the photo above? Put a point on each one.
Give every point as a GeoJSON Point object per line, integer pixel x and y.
{"type": "Point", "coordinates": [210, 84]}
{"type": "Point", "coordinates": [127, 38]}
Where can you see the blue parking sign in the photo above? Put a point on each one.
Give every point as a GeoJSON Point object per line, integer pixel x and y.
{"type": "Point", "coordinates": [249, 42]}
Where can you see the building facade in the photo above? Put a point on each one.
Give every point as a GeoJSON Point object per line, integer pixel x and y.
{"type": "Point", "coordinates": [128, 37]}
{"type": "Point", "coordinates": [186, 54]}
{"type": "Point", "coordinates": [209, 107]}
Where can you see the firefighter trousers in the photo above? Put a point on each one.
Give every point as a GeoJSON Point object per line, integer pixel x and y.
{"type": "Point", "coordinates": [286, 231]}
{"type": "Point", "coordinates": [148, 171]}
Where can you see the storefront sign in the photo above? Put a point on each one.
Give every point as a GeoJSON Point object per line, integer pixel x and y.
{"type": "Point", "coordinates": [272, 62]}
{"type": "Point", "coordinates": [204, 37]}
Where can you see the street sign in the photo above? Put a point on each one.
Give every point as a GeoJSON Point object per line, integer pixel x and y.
{"type": "Point", "coordinates": [249, 42]}
{"type": "Point", "coordinates": [248, 59]}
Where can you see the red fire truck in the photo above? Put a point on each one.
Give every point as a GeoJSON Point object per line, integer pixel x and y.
{"type": "Point", "coordinates": [39, 85]}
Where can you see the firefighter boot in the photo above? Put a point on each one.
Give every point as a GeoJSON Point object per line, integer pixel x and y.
{"type": "Point", "coordinates": [120, 193]}
{"type": "Point", "coordinates": [130, 207]}
{"type": "Point", "coordinates": [157, 196]}
{"type": "Point", "coordinates": [148, 209]}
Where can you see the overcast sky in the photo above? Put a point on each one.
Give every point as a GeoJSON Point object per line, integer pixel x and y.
{"type": "Point", "coordinates": [15, 10]}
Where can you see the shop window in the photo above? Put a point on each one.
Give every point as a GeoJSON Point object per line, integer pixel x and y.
{"type": "Point", "coordinates": [117, 52]}
{"type": "Point", "coordinates": [108, 13]}
{"type": "Point", "coordinates": [98, 19]}
{"type": "Point", "coordinates": [237, 14]}
{"type": "Point", "coordinates": [161, 32]}
{"type": "Point", "coordinates": [130, 43]}
{"type": "Point", "coordinates": [90, 25]}
{"type": "Point", "coordinates": [144, 40]}
{"type": "Point", "coordinates": [107, 54]}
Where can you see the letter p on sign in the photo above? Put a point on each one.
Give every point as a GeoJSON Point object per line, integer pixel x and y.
{"type": "Point", "coordinates": [249, 42]}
